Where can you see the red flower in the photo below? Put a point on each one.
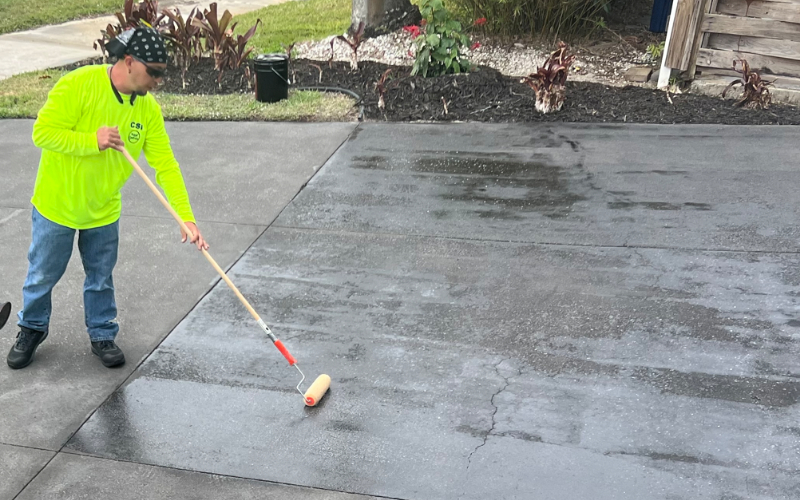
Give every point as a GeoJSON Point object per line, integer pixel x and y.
{"type": "Point", "coordinates": [475, 45]}
{"type": "Point", "coordinates": [414, 30]}
{"type": "Point", "coordinates": [480, 21]}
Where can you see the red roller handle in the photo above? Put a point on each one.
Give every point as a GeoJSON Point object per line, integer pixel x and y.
{"type": "Point", "coordinates": [285, 352]}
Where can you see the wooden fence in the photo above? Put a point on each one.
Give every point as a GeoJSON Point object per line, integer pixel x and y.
{"type": "Point", "coordinates": [706, 36]}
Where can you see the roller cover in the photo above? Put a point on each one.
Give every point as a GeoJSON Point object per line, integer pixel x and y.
{"type": "Point", "coordinates": [317, 390]}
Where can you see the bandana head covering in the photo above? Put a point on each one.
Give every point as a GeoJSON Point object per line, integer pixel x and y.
{"type": "Point", "coordinates": [143, 43]}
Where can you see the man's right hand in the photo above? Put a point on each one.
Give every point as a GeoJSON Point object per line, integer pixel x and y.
{"type": "Point", "coordinates": [108, 137]}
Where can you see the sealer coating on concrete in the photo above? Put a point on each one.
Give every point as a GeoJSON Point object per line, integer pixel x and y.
{"type": "Point", "coordinates": [506, 312]}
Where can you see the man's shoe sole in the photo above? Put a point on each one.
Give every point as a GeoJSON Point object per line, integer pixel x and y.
{"type": "Point", "coordinates": [18, 367]}
{"type": "Point", "coordinates": [111, 364]}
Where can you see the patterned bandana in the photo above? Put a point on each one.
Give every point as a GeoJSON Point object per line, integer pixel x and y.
{"type": "Point", "coordinates": [143, 43]}
{"type": "Point", "coordinates": [147, 45]}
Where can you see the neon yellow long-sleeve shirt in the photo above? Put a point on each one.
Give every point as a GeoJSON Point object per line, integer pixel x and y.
{"type": "Point", "coordinates": [78, 185]}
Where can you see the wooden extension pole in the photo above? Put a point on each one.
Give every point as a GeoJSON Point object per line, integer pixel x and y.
{"type": "Point", "coordinates": [178, 219]}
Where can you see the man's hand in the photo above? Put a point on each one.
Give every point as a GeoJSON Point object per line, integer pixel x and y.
{"type": "Point", "coordinates": [108, 137]}
{"type": "Point", "coordinates": [196, 237]}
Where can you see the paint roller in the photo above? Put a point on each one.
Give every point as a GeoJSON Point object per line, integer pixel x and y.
{"type": "Point", "coordinates": [322, 383]}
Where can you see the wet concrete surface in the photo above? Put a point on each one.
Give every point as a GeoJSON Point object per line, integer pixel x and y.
{"type": "Point", "coordinates": [506, 312]}
{"type": "Point", "coordinates": [708, 187]}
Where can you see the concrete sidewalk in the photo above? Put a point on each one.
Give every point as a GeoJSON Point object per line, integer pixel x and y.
{"type": "Point", "coordinates": [52, 46]}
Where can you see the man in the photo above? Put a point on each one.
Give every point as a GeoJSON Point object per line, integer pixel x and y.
{"type": "Point", "coordinates": [90, 115]}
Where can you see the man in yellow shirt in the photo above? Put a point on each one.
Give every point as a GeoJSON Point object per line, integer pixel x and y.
{"type": "Point", "coordinates": [90, 115]}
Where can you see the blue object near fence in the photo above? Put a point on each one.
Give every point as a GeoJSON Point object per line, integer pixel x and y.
{"type": "Point", "coordinates": [658, 18]}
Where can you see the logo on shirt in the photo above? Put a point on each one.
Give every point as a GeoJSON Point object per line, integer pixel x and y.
{"type": "Point", "coordinates": [135, 135]}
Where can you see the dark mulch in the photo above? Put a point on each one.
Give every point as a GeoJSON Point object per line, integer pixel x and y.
{"type": "Point", "coordinates": [488, 96]}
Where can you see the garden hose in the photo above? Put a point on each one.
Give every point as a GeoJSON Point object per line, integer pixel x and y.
{"type": "Point", "coordinates": [329, 89]}
{"type": "Point", "coordinates": [341, 91]}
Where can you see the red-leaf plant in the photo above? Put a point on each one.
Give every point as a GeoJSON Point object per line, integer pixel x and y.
{"type": "Point", "coordinates": [549, 80]}
{"type": "Point", "coordinates": [354, 41]}
{"type": "Point", "coordinates": [236, 51]}
{"type": "Point", "coordinates": [184, 38]}
{"type": "Point", "coordinates": [289, 49]}
{"type": "Point", "coordinates": [131, 16]}
{"type": "Point", "coordinates": [380, 87]}
{"type": "Point", "coordinates": [216, 32]}
{"type": "Point", "coordinates": [755, 94]}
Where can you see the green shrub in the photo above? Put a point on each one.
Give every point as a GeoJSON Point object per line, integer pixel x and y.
{"type": "Point", "coordinates": [549, 18]}
{"type": "Point", "coordinates": [440, 42]}
{"type": "Point", "coordinates": [655, 50]}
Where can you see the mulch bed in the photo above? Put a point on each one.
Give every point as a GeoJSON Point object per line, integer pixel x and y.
{"type": "Point", "coordinates": [485, 95]}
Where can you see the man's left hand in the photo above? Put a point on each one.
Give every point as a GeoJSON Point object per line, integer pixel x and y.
{"type": "Point", "coordinates": [196, 237]}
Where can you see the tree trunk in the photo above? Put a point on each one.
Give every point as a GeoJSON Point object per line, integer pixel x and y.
{"type": "Point", "coordinates": [383, 16]}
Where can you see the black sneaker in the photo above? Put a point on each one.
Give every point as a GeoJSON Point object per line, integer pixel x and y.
{"type": "Point", "coordinates": [110, 354]}
{"type": "Point", "coordinates": [21, 355]}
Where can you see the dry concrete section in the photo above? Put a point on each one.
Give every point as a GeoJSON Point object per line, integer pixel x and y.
{"type": "Point", "coordinates": [237, 185]}
{"type": "Point", "coordinates": [506, 311]}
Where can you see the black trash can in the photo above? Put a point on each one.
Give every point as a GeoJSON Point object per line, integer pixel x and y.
{"type": "Point", "coordinates": [272, 77]}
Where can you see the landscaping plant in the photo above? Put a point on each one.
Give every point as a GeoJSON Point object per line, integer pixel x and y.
{"type": "Point", "coordinates": [183, 38]}
{"type": "Point", "coordinates": [132, 15]}
{"type": "Point", "coordinates": [655, 50]}
{"type": "Point", "coordinates": [216, 32]}
{"type": "Point", "coordinates": [755, 94]}
{"type": "Point", "coordinates": [439, 42]}
{"type": "Point", "coordinates": [354, 40]}
{"type": "Point", "coordinates": [380, 87]}
{"type": "Point", "coordinates": [289, 49]}
{"type": "Point", "coordinates": [549, 80]}
{"type": "Point", "coordinates": [552, 19]}
{"type": "Point", "coordinates": [190, 38]}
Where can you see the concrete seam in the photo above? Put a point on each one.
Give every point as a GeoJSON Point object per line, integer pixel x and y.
{"type": "Point", "coordinates": [542, 243]}
{"type": "Point", "coordinates": [27, 447]}
{"type": "Point", "coordinates": [244, 478]}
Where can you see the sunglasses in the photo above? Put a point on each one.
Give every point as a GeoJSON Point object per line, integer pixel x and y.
{"type": "Point", "coordinates": [155, 73]}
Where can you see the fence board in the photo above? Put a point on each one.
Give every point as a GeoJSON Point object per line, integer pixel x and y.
{"type": "Point", "coordinates": [687, 19]}
{"type": "Point", "coordinates": [698, 37]}
{"type": "Point", "coordinates": [763, 64]}
{"type": "Point", "coordinates": [762, 46]}
{"type": "Point", "coordinates": [781, 82]}
{"type": "Point", "coordinates": [748, 26]}
{"type": "Point", "coordinates": [784, 11]}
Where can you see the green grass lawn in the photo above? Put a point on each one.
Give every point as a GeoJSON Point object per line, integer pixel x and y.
{"type": "Point", "coordinates": [295, 21]}
{"type": "Point", "coordinates": [283, 23]}
{"type": "Point", "coordinates": [22, 96]}
{"type": "Point", "coordinates": [16, 15]}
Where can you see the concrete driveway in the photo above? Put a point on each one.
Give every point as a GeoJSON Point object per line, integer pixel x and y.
{"type": "Point", "coordinates": [507, 311]}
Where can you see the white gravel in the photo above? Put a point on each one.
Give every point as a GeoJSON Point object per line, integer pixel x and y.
{"type": "Point", "coordinates": [604, 66]}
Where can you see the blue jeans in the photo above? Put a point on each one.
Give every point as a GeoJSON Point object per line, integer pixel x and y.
{"type": "Point", "coordinates": [50, 251]}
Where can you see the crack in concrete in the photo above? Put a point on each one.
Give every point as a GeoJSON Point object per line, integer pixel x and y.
{"type": "Point", "coordinates": [661, 270]}
{"type": "Point", "coordinates": [494, 413]}
{"type": "Point", "coordinates": [13, 214]}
